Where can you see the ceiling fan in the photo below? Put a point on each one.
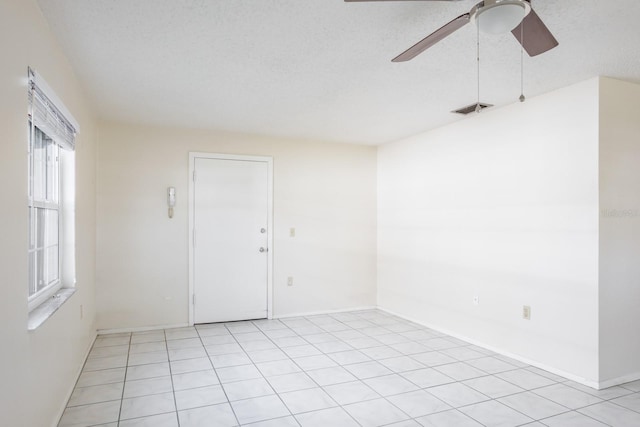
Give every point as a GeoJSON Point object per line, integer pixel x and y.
{"type": "Point", "coordinates": [492, 16]}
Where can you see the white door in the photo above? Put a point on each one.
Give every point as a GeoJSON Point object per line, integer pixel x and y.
{"type": "Point", "coordinates": [230, 262]}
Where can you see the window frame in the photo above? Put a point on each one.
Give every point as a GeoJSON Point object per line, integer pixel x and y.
{"type": "Point", "coordinates": [50, 191]}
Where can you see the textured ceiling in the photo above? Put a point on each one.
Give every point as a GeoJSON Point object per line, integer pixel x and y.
{"type": "Point", "coordinates": [320, 69]}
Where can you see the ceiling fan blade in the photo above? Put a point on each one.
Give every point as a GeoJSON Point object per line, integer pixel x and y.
{"type": "Point", "coordinates": [433, 38]}
{"type": "Point", "coordinates": [537, 37]}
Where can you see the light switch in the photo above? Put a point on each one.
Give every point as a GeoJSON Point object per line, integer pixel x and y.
{"type": "Point", "coordinates": [292, 232]}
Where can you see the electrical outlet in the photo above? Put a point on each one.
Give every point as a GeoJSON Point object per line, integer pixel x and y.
{"type": "Point", "coordinates": [476, 300]}
{"type": "Point", "coordinates": [526, 312]}
{"type": "Point", "coordinates": [289, 281]}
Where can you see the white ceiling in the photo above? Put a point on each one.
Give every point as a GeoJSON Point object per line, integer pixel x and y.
{"type": "Point", "coordinates": [320, 69]}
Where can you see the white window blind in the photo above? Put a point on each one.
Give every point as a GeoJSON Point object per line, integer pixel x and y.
{"type": "Point", "coordinates": [46, 114]}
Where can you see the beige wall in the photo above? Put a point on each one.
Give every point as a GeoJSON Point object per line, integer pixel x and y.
{"type": "Point", "coordinates": [504, 206]}
{"type": "Point", "coordinates": [326, 191]}
{"type": "Point", "coordinates": [619, 231]}
{"type": "Point", "coordinates": [39, 368]}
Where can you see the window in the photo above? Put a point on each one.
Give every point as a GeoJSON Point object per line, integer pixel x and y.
{"type": "Point", "coordinates": [51, 194]}
{"type": "Point", "coordinates": [44, 213]}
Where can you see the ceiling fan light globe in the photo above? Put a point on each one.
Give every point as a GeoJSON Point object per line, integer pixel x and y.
{"type": "Point", "coordinates": [501, 17]}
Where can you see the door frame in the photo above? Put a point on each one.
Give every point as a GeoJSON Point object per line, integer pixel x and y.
{"type": "Point", "coordinates": [192, 163]}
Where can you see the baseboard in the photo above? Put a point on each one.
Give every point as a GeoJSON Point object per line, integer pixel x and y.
{"type": "Point", "coordinates": [73, 387]}
{"type": "Point", "coordinates": [321, 312]}
{"type": "Point", "coordinates": [141, 329]}
{"type": "Point", "coordinates": [182, 325]}
{"type": "Point", "coordinates": [620, 380]}
{"type": "Point", "coordinates": [567, 375]}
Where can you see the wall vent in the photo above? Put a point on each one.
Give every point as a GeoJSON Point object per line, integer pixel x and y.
{"type": "Point", "coordinates": [471, 108]}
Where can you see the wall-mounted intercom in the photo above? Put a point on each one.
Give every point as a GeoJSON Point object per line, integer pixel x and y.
{"type": "Point", "coordinates": [171, 200]}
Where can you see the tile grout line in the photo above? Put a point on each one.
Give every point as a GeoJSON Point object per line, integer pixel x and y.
{"type": "Point", "coordinates": [395, 373]}
{"type": "Point", "coordinates": [217, 376]}
{"type": "Point", "coordinates": [454, 382]}
{"type": "Point", "coordinates": [173, 389]}
{"type": "Point", "coordinates": [302, 370]}
{"type": "Point", "coordinates": [258, 369]}
{"type": "Point", "coordinates": [422, 389]}
{"type": "Point", "coordinates": [366, 385]}
{"type": "Point", "coordinates": [124, 381]}
{"type": "Point", "coordinates": [576, 411]}
{"type": "Point", "coordinates": [325, 354]}
{"type": "Point", "coordinates": [361, 381]}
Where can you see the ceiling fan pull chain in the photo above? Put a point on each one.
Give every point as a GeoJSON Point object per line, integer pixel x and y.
{"type": "Point", "coordinates": [522, 97]}
{"type": "Point", "coordinates": [478, 107]}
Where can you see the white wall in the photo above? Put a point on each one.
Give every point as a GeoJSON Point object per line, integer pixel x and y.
{"type": "Point", "coordinates": [39, 369]}
{"type": "Point", "coordinates": [502, 205]}
{"type": "Point", "coordinates": [619, 230]}
{"type": "Point", "coordinates": [326, 191]}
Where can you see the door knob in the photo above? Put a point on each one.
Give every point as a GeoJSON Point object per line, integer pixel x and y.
{"type": "Point", "coordinates": [264, 249]}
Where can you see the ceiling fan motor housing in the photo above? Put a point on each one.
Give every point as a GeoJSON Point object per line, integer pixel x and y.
{"type": "Point", "coordinates": [499, 16]}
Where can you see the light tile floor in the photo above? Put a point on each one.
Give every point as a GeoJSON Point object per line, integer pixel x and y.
{"type": "Point", "coordinates": [364, 368]}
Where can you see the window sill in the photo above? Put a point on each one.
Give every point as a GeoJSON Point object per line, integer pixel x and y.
{"type": "Point", "coordinates": [45, 310]}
